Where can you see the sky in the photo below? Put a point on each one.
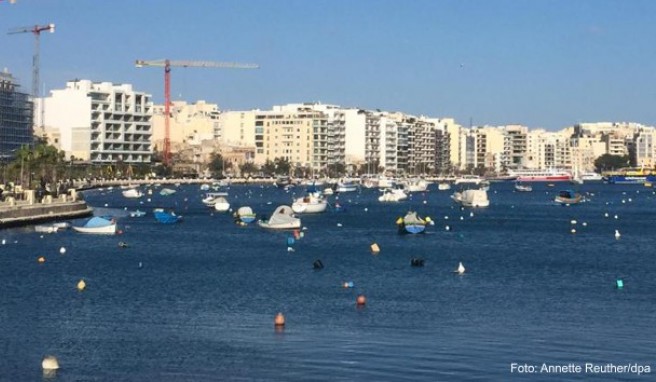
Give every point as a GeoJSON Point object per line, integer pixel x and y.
{"type": "Point", "coordinates": [543, 64]}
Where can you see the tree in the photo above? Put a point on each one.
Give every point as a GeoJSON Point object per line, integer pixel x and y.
{"type": "Point", "coordinates": [217, 165]}
{"type": "Point", "coordinates": [247, 168]}
{"type": "Point", "coordinates": [282, 166]}
{"type": "Point", "coordinates": [608, 162]}
{"type": "Point", "coordinates": [269, 168]}
{"type": "Point", "coordinates": [336, 170]}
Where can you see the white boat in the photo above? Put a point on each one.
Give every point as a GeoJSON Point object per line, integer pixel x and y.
{"type": "Point", "coordinates": [346, 187]}
{"type": "Point", "coordinates": [98, 225]}
{"type": "Point", "coordinates": [167, 192]}
{"type": "Point", "coordinates": [211, 198]}
{"type": "Point", "coordinates": [392, 195]}
{"type": "Point", "coordinates": [443, 186]}
{"type": "Point", "coordinates": [132, 193]}
{"type": "Point", "coordinates": [468, 179]}
{"type": "Point", "coordinates": [551, 175]}
{"type": "Point", "coordinates": [221, 204]}
{"type": "Point", "coordinates": [282, 218]}
{"type": "Point", "coordinates": [45, 228]}
{"type": "Point", "coordinates": [415, 185]}
{"type": "Point", "coordinates": [471, 198]}
{"type": "Point", "coordinates": [312, 203]}
{"type": "Point", "coordinates": [591, 177]}
{"type": "Point", "coordinates": [62, 225]}
{"type": "Point", "coordinates": [523, 187]}
{"type": "Point", "coordinates": [328, 191]}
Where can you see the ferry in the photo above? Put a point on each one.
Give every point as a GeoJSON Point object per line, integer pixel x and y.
{"type": "Point", "coordinates": [542, 175]}
{"type": "Point", "coordinates": [630, 176]}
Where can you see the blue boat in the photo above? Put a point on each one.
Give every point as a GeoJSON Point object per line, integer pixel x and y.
{"type": "Point", "coordinates": [631, 176]}
{"type": "Point", "coordinates": [411, 223]}
{"type": "Point", "coordinates": [166, 217]}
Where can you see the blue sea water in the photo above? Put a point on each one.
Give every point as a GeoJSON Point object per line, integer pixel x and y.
{"type": "Point", "coordinates": [201, 306]}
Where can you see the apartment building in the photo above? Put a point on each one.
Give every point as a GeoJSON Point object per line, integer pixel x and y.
{"type": "Point", "coordinates": [16, 117]}
{"type": "Point", "coordinates": [189, 124]}
{"type": "Point", "coordinates": [101, 122]}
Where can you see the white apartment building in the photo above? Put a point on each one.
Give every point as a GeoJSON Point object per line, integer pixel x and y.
{"type": "Point", "coordinates": [101, 122]}
{"type": "Point", "coordinates": [645, 148]}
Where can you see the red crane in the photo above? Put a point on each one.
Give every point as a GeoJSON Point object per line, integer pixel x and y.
{"type": "Point", "coordinates": [167, 64]}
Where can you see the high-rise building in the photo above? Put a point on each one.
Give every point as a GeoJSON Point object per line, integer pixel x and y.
{"type": "Point", "coordinates": [16, 116]}
{"type": "Point", "coordinates": [102, 122]}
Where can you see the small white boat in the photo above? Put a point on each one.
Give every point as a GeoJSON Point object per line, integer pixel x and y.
{"type": "Point", "coordinates": [211, 198]}
{"type": "Point", "coordinates": [392, 195]}
{"type": "Point", "coordinates": [443, 186]}
{"type": "Point", "coordinates": [221, 204]}
{"type": "Point", "coordinates": [62, 225]}
{"type": "Point", "coordinates": [346, 187]}
{"type": "Point", "coordinates": [45, 228]}
{"type": "Point", "coordinates": [98, 225]}
{"type": "Point", "coordinates": [132, 193]}
{"type": "Point", "coordinates": [137, 214]}
{"type": "Point", "coordinates": [312, 203]}
{"type": "Point", "coordinates": [523, 187]}
{"type": "Point", "coordinates": [471, 198]}
{"type": "Point", "coordinates": [328, 191]}
{"type": "Point", "coordinates": [468, 179]}
{"type": "Point", "coordinates": [282, 218]}
{"type": "Point", "coordinates": [415, 185]}
{"type": "Point", "coordinates": [167, 192]}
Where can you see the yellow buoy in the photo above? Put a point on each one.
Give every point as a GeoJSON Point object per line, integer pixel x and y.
{"type": "Point", "coordinates": [375, 248]}
{"type": "Point", "coordinates": [279, 320]}
{"type": "Point", "coordinates": [41, 259]}
{"type": "Point", "coordinates": [81, 285]}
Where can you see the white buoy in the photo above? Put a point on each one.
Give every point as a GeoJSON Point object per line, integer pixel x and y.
{"type": "Point", "coordinates": [573, 222]}
{"type": "Point", "coordinates": [50, 363]}
{"type": "Point", "coordinates": [447, 228]}
{"type": "Point", "coordinates": [606, 215]}
{"type": "Point", "coordinates": [290, 249]}
{"type": "Point", "coordinates": [366, 209]}
{"type": "Point", "coordinates": [446, 218]}
{"type": "Point", "coordinates": [425, 202]}
{"type": "Point", "coordinates": [584, 224]}
{"type": "Point", "coordinates": [62, 250]}
{"type": "Point", "coordinates": [630, 200]}
{"type": "Point", "coordinates": [339, 224]}
{"type": "Point", "coordinates": [617, 234]}
{"type": "Point", "coordinates": [471, 214]}
{"type": "Point", "coordinates": [462, 218]}
{"type": "Point", "coordinates": [616, 217]}
{"type": "Point", "coordinates": [461, 269]}
{"type": "Point", "coordinates": [4, 241]}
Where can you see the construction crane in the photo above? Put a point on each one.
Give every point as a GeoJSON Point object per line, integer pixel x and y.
{"type": "Point", "coordinates": [167, 64]}
{"type": "Point", "coordinates": [36, 31]}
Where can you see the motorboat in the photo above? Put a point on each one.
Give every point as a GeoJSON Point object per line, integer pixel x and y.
{"type": "Point", "coordinates": [283, 181]}
{"type": "Point", "coordinates": [132, 193]}
{"type": "Point", "coordinates": [392, 195]}
{"type": "Point", "coordinates": [45, 228]}
{"type": "Point", "coordinates": [346, 187]}
{"type": "Point", "coordinates": [167, 192]}
{"type": "Point", "coordinates": [443, 186]}
{"type": "Point", "coordinates": [468, 179]}
{"type": "Point", "coordinates": [221, 204]}
{"type": "Point", "coordinates": [411, 223]}
{"type": "Point", "coordinates": [415, 185]}
{"type": "Point", "coordinates": [211, 198]}
{"type": "Point", "coordinates": [519, 187]}
{"type": "Point", "coordinates": [568, 197]}
{"type": "Point", "coordinates": [166, 217]}
{"type": "Point", "coordinates": [471, 198]}
{"type": "Point", "coordinates": [282, 218]}
{"type": "Point", "coordinates": [245, 215]}
{"type": "Point", "coordinates": [311, 203]}
{"type": "Point", "coordinates": [98, 225]}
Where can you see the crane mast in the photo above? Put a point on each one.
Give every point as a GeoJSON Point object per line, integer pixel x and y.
{"type": "Point", "coordinates": [167, 64]}
{"type": "Point", "coordinates": [36, 31]}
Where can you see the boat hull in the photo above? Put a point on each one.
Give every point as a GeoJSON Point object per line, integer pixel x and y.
{"type": "Point", "coordinates": [106, 230]}
{"type": "Point", "coordinates": [309, 208]}
{"type": "Point", "coordinates": [412, 229]}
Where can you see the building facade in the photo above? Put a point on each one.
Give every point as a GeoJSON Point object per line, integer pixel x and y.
{"type": "Point", "coordinates": [16, 117]}
{"type": "Point", "coordinates": [101, 122]}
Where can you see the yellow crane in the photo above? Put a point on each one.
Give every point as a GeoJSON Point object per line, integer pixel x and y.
{"type": "Point", "coordinates": [167, 64]}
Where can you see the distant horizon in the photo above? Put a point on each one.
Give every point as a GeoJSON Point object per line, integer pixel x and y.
{"type": "Point", "coordinates": [541, 64]}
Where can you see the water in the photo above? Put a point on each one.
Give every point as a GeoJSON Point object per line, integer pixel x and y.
{"type": "Point", "coordinates": [202, 305]}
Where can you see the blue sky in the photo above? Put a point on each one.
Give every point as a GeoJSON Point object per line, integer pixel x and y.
{"type": "Point", "coordinates": [539, 63]}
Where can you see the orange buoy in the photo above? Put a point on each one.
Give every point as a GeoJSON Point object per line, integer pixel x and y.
{"type": "Point", "coordinates": [279, 320]}
{"type": "Point", "coordinates": [361, 300]}
{"type": "Point", "coordinates": [41, 259]}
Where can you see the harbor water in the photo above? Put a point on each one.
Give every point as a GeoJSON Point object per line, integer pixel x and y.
{"type": "Point", "coordinates": [196, 301]}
